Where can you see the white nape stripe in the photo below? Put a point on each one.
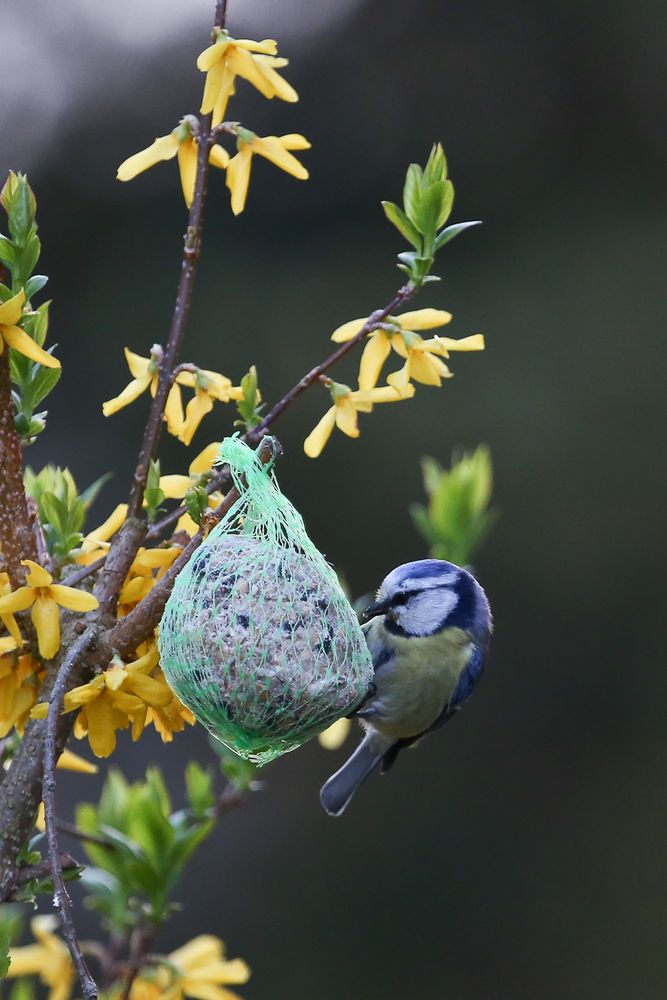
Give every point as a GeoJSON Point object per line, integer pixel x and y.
{"type": "Point", "coordinates": [429, 582]}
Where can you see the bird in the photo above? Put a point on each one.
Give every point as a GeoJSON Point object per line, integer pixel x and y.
{"type": "Point", "coordinates": [428, 633]}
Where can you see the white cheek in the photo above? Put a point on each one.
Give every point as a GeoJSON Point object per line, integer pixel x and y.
{"type": "Point", "coordinates": [426, 612]}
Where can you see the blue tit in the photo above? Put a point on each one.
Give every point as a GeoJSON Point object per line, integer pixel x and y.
{"type": "Point", "coordinates": [428, 632]}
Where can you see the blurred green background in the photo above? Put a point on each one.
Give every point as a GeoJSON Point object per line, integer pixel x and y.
{"type": "Point", "coordinates": [521, 852]}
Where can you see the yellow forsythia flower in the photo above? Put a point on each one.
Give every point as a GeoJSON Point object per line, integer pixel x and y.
{"type": "Point", "coordinates": [399, 333]}
{"type": "Point", "coordinates": [181, 143]}
{"type": "Point", "coordinates": [175, 487]}
{"type": "Point", "coordinates": [272, 147]}
{"type": "Point", "coordinates": [144, 373]}
{"type": "Point", "coordinates": [111, 700]}
{"type": "Point", "coordinates": [255, 62]}
{"type": "Point", "coordinates": [208, 386]}
{"type": "Point", "coordinates": [8, 619]}
{"type": "Point", "coordinates": [198, 969]}
{"type": "Point", "coordinates": [343, 414]}
{"type": "Point", "coordinates": [49, 959]}
{"type": "Point", "coordinates": [44, 598]}
{"type": "Point", "coordinates": [18, 691]}
{"type": "Point", "coordinates": [69, 761]}
{"type": "Point", "coordinates": [13, 336]}
{"type": "Point", "coordinates": [334, 737]}
{"type": "Point", "coordinates": [167, 719]}
{"type": "Point", "coordinates": [96, 542]}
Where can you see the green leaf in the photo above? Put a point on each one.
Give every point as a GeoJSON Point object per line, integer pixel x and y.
{"type": "Point", "coordinates": [199, 789]}
{"type": "Point", "coordinates": [23, 989]}
{"type": "Point", "coordinates": [436, 166]}
{"type": "Point", "coordinates": [196, 502]}
{"type": "Point", "coordinates": [430, 208]}
{"type": "Point", "coordinates": [7, 252]}
{"type": "Point", "coordinates": [5, 960]}
{"type": "Point", "coordinates": [412, 191]}
{"type": "Point", "coordinates": [36, 325]}
{"type": "Point", "coordinates": [91, 493]}
{"type": "Point", "coordinates": [422, 523]}
{"type": "Point", "coordinates": [446, 205]}
{"type": "Point", "coordinates": [399, 219]}
{"type": "Point", "coordinates": [431, 472]}
{"type": "Point", "coordinates": [19, 202]}
{"type": "Point", "coordinates": [10, 932]}
{"type": "Point", "coordinates": [457, 518]}
{"type": "Point", "coordinates": [43, 381]}
{"type": "Point", "coordinates": [55, 512]}
{"type": "Point", "coordinates": [249, 407]}
{"type": "Point", "coordinates": [451, 231]}
{"type": "Point", "coordinates": [34, 284]}
{"type": "Point", "coordinates": [153, 494]}
{"type": "Point", "coordinates": [239, 772]}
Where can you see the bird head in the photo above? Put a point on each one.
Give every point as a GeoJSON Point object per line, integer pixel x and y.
{"type": "Point", "coordinates": [422, 598]}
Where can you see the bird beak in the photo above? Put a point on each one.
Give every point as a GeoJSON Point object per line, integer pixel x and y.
{"type": "Point", "coordinates": [378, 608]}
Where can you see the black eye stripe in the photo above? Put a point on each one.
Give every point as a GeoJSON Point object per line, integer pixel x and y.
{"type": "Point", "coordinates": [405, 595]}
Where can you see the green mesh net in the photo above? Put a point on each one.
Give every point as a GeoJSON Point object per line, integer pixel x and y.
{"type": "Point", "coordinates": [257, 637]}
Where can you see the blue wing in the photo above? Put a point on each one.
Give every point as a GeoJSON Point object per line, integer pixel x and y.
{"type": "Point", "coordinates": [470, 675]}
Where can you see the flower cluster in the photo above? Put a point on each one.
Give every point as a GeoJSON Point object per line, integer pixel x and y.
{"type": "Point", "coordinates": [126, 695]}
{"type": "Point", "coordinates": [222, 62]}
{"type": "Point", "coordinates": [208, 387]}
{"type": "Point", "coordinates": [423, 363]}
{"type": "Point", "coordinates": [198, 969]}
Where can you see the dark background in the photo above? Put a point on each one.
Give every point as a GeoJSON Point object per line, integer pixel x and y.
{"type": "Point", "coordinates": [521, 853]}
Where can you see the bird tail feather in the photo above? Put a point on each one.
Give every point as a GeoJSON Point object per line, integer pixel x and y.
{"type": "Point", "coordinates": [337, 792]}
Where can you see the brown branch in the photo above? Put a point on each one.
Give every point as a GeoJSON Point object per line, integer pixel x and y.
{"type": "Point", "coordinates": [140, 946]}
{"type": "Point", "coordinates": [61, 898]}
{"type": "Point", "coordinates": [17, 539]}
{"type": "Point", "coordinates": [39, 871]}
{"type": "Point", "coordinates": [72, 830]}
{"type": "Point", "coordinates": [189, 263]}
{"type": "Point", "coordinates": [84, 572]}
{"type": "Point", "coordinates": [221, 476]}
{"type": "Point", "coordinates": [43, 869]}
{"type": "Point", "coordinates": [403, 295]}
{"type": "Point", "coordinates": [136, 627]}
{"type": "Point", "coordinates": [126, 542]}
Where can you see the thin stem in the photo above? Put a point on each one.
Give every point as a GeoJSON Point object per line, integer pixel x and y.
{"type": "Point", "coordinates": [72, 830]}
{"type": "Point", "coordinates": [189, 263]}
{"type": "Point", "coordinates": [84, 572]}
{"type": "Point", "coordinates": [40, 871]}
{"type": "Point", "coordinates": [61, 898]}
{"type": "Point", "coordinates": [128, 632]}
{"type": "Point", "coordinates": [375, 320]}
{"type": "Point", "coordinates": [221, 476]}
{"type": "Point", "coordinates": [140, 946]}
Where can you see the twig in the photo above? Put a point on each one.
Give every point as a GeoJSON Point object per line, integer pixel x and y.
{"type": "Point", "coordinates": [61, 898]}
{"type": "Point", "coordinates": [189, 263]}
{"type": "Point", "coordinates": [128, 632]}
{"type": "Point", "coordinates": [221, 475]}
{"type": "Point", "coordinates": [375, 320]}
{"type": "Point", "coordinates": [140, 945]}
{"type": "Point", "coordinates": [85, 571]}
{"type": "Point", "coordinates": [43, 869]}
{"type": "Point", "coordinates": [126, 542]}
{"type": "Point", "coordinates": [40, 871]}
{"type": "Point", "coordinates": [72, 830]}
{"type": "Point", "coordinates": [43, 556]}
{"type": "Point", "coordinates": [229, 799]}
